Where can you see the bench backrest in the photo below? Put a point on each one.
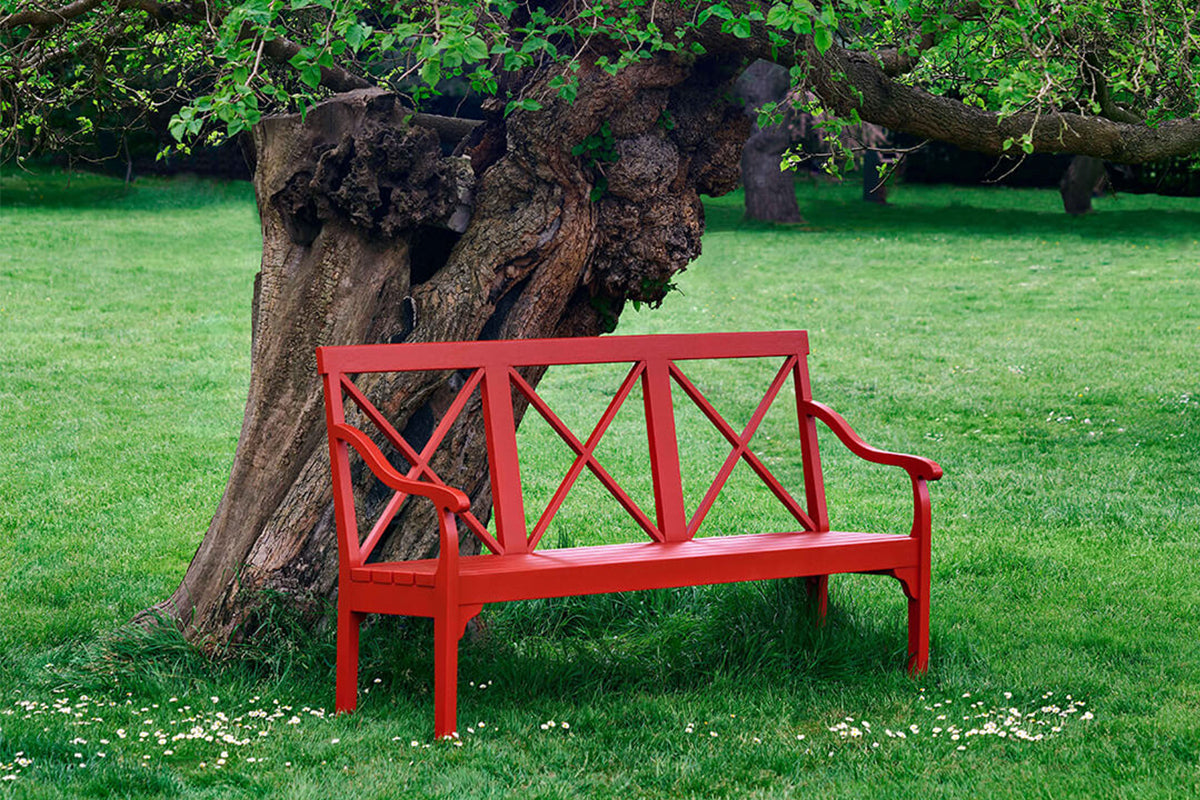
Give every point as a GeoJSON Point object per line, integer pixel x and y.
{"type": "Point", "coordinates": [492, 367]}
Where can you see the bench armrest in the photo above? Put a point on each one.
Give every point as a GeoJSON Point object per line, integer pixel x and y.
{"type": "Point", "coordinates": [916, 466]}
{"type": "Point", "coordinates": [444, 497]}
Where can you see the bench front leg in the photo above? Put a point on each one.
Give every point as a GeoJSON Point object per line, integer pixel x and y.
{"type": "Point", "coordinates": [448, 624]}
{"type": "Point", "coordinates": [916, 581]}
{"type": "Point", "coordinates": [348, 625]}
{"type": "Point", "coordinates": [445, 669]}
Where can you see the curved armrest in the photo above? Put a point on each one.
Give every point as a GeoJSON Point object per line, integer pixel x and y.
{"type": "Point", "coordinates": [445, 497]}
{"type": "Point", "coordinates": [916, 466]}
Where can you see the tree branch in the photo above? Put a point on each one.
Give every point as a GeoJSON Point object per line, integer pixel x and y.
{"type": "Point", "coordinates": [450, 130]}
{"type": "Point", "coordinates": [867, 89]}
{"type": "Point", "coordinates": [281, 51]}
{"type": "Point", "coordinates": [36, 18]}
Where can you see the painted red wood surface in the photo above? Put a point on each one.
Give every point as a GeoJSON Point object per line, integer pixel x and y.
{"type": "Point", "coordinates": [452, 588]}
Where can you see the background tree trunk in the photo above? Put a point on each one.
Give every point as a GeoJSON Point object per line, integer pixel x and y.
{"type": "Point", "coordinates": [1083, 179]}
{"type": "Point", "coordinates": [370, 234]}
{"type": "Point", "coordinates": [770, 191]}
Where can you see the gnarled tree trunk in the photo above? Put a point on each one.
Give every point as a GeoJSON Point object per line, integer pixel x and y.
{"type": "Point", "coordinates": [370, 234]}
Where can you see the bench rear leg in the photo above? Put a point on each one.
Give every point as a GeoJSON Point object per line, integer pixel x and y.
{"type": "Point", "coordinates": [346, 693]}
{"type": "Point", "coordinates": [915, 583]}
{"type": "Point", "coordinates": [918, 627]}
{"type": "Point", "coordinates": [818, 596]}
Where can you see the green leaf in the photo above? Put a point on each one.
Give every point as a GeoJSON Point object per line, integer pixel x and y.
{"type": "Point", "coordinates": [823, 39]}
{"type": "Point", "coordinates": [475, 49]}
{"type": "Point", "coordinates": [779, 16]}
{"type": "Point", "coordinates": [524, 104]}
{"type": "Point", "coordinates": [741, 28]}
{"type": "Point", "coordinates": [355, 35]}
{"type": "Point", "coordinates": [311, 76]}
{"type": "Point", "coordinates": [431, 72]}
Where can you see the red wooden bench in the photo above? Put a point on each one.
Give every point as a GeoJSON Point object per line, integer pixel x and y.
{"type": "Point", "coordinates": [452, 588]}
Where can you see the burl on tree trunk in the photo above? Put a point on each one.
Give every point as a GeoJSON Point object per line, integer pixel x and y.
{"type": "Point", "coordinates": [371, 234]}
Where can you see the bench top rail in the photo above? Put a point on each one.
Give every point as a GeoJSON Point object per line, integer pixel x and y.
{"type": "Point", "coordinates": [538, 352]}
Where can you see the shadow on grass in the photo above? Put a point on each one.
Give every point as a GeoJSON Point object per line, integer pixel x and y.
{"type": "Point", "coordinates": [756, 635]}
{"type": "Point", "coordinates": [50, 189]}
{"type": "Point", "coordinates": [937, 210]}
{"type": "Point", "coordinates": [605, 651]}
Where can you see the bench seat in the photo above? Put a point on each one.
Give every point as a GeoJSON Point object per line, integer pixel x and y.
{"type": "Point", "coordinates": [649, 565]}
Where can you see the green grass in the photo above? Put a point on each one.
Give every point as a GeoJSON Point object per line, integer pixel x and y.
{"type": "Point", "coordinates": [1049, 364]}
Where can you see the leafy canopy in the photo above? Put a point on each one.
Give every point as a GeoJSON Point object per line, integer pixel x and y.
{"type": "Point", "coordinates": [216, 66]}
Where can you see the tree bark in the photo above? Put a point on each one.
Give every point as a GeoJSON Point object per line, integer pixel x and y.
{"type": "Point", "coordinates": [770, 191]}
{"type": "Point", "coordinates": [371, 235]}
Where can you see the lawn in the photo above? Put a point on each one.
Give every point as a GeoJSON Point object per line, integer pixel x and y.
{"type": "Point", "coordinates": [1048, 363]}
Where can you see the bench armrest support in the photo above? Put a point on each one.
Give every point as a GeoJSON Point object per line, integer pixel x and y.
{"type": "Point", "coordinates": [921, 470]}
{"type": "Point", "coordinates": [916, 466]}
{"type": "Point", "coordinates": [444, 497]}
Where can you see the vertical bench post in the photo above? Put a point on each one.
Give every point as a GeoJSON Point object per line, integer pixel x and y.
{"type": "Point", "coordinates": [503, 462]}
{"type": "Point", "coordinates": [814, 483]}
{"type": "Point", "coordinates": [664, 450]}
